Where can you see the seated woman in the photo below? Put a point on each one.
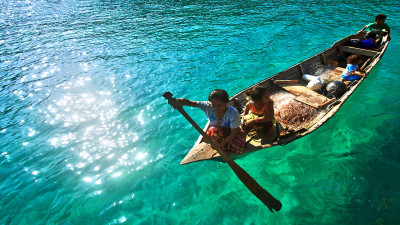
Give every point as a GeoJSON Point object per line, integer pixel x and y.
{"type": "Point", "coordinates": [259, 111]}
{"type": "Point", "coordinates": [224, 120]}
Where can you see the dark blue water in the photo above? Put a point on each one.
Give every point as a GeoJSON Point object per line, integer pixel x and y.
{"type": "Point", "coordinates": [86, 137]}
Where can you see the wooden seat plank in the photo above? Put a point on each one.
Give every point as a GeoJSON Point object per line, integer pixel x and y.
{"type": "Point", "coordinates": [360, 51]}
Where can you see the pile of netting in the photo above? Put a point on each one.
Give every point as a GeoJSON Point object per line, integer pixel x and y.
{"type": "Point", "coordinates": [325, 72]}
{"type": "Point", "coordinates": [293, 115]}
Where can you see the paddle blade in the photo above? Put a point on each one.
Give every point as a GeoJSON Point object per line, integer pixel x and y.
{"type": "Point", "coordinates": [264, 196]}
{"type": "Point", "coordinates": [167, 95]}
{"type": "Point", "coordinates": [268, 200]}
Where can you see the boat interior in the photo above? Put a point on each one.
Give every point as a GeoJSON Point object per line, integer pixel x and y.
{"type": "Point", "coordinates": [299, 109]}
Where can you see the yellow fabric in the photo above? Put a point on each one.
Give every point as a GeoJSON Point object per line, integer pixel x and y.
{"type": "Point", "coordinates": [251, 116]}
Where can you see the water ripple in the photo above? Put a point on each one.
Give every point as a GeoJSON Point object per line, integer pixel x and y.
{"type": "Point", "coordinates": [86, 135]}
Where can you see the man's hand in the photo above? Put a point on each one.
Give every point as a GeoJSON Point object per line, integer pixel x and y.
{"type": "Point", "coordinates": [176, 102]}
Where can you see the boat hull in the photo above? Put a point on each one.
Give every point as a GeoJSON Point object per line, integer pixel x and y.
{"type": "Point", "coordinates": [289, 83]}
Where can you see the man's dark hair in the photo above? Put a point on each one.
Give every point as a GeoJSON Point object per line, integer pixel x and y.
{"type": "Point", "coordinates": [380, 16]}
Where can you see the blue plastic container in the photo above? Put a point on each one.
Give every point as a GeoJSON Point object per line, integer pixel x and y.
{"type": "Point", "coordinates": [367, 44]}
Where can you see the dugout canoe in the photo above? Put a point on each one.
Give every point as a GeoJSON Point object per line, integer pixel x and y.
{"type": "Point", "coordinates": [290, 92]}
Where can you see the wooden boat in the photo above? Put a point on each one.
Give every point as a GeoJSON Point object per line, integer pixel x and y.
{"type": "Point", "coordinates": [291, 95]}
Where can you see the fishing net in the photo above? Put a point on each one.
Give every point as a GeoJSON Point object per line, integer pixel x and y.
{"type": "Point", "coordinates": [326, 72]}
{"type": "Point", "coordinates": [293, 115]}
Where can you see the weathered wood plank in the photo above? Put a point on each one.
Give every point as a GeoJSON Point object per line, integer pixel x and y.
{"type": "Point", "coordinates": [286, 81]}
{"type": "Point", "coordinates": [313, 99]}
{"type": "Point", "coordinates": [335, 74]}
{"type": "Point", "coordinates": [294, 88]}
{"type": "Point", "coordinates": [360, 51]}
{"type": "Point", "coordinates": [202, 151]}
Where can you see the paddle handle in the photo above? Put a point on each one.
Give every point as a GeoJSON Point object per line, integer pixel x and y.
{"type": "Point", "coordinates": [255, 188]}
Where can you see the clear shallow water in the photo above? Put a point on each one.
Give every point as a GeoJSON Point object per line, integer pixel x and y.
{"type": "Point", "coordinates": [86, 137]}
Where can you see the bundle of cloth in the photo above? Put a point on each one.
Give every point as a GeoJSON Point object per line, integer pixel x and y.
{"type": "Point", "coordinates": [315, 82]}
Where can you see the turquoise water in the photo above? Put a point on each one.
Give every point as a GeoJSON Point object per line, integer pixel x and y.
{"type": "Point", "coordinates": [86, 137]}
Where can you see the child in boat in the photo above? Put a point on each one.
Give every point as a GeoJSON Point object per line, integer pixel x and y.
{"type": "Point", "coordinates": [259, 110]}
{"type": "Point", "coordinates": [350, 73]}
{"type": "Point", "coordinates": [224, 120]}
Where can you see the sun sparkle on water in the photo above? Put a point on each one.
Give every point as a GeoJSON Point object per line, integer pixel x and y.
{"type": "Point", "coordinates": [97, 132]}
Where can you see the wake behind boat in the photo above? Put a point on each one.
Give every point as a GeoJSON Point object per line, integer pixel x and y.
{"type": "Point", "coordinates": [299, 109]}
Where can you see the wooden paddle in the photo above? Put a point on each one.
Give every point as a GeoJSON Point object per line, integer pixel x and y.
{"type": "Point", "coordinates": [268, 200]}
